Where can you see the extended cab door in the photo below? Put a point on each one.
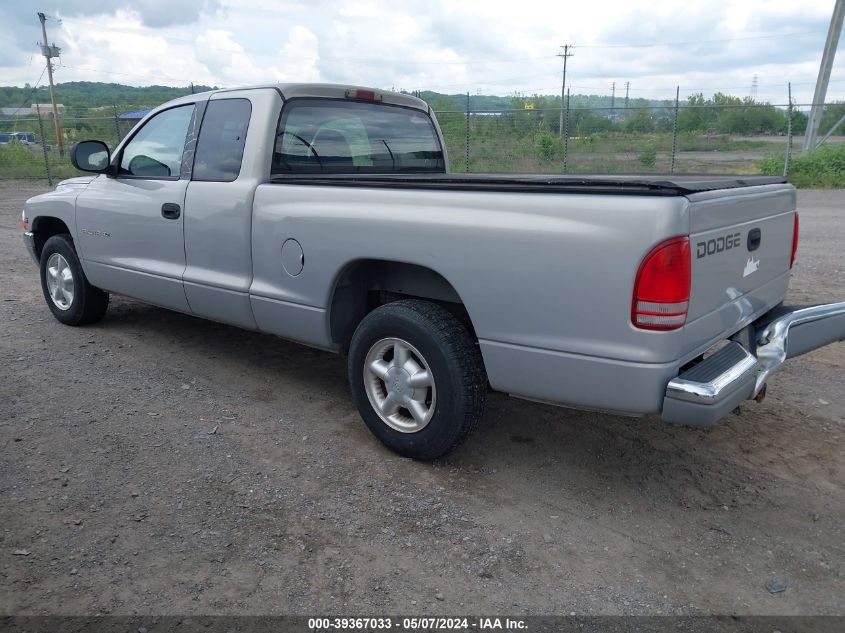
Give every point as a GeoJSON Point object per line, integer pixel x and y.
{"type": "Point", "coordinates": [130, 226]}
{"type": "Point", "coordinates": [232, 158]}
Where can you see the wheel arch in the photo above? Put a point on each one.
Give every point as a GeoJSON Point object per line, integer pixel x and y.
{"type": "Point", "coordinates": [44, 227]}
{"type": "Point", "coordinates": [364, 284]}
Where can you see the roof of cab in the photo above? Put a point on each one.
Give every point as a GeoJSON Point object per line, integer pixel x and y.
{"type": "Point", "coordinates": [333, 91]}
{"type": "Point", "coordinates": [298, 91]}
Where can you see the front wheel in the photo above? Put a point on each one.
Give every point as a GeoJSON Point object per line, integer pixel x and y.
{"type": "Point", "coordinates": [417, 378]}
{"type": "Point", "coordinates": [70, 297]}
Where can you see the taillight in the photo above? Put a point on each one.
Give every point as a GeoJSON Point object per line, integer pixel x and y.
{"type": "Point", "coordinates": [363, 95]}
{"type": "Point", "coordinates": [24, 221]}
{"type": "Point", "coordinates": [794, 242]}
{"type": "Point", "coordinates": [661, 291]}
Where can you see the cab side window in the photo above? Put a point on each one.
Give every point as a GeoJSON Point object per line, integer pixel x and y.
{"type": "Point", "coordinates": [220, 148]}
{"type": "Point", "coordinates": [156, 150]}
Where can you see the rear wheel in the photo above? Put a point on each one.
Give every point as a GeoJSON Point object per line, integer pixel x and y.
{"type": "Point", "coordinates": [70, 297]}
{"type": "Point", "coordinates": [417, 378]}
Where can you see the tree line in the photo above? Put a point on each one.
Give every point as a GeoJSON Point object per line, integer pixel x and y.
{"type": "Point", "coordinates": [593, 114]}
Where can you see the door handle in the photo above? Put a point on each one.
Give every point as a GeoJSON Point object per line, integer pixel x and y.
{"type": "Point", "coordinates": [171, 211]}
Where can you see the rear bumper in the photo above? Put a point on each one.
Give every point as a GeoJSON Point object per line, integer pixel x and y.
{"type": "Point", "coordinates": [702, 395]}
{"type": "Point", "coordinates": [29, 242]}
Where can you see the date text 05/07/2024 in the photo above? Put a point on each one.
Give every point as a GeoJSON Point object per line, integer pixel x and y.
{"type": "Point", "coordinates": [416, 623]}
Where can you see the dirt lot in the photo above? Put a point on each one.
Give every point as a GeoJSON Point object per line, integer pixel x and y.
{"type": "Point", "coordinates": [160, 464]}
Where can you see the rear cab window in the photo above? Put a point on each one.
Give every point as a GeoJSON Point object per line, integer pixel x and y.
{"type": "Point", "coordinates": [336, 136]}
{"type": "Point", "coordinates": [220, 148]}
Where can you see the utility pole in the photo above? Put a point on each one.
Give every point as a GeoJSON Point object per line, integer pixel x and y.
{"type": "Point", "coordinates": [49, 52]}
{"type": "Point", "coordinates": [675, 129]}
{"type": "Point", "coordinates": [627, 88]}
{"type": "Point", "coordinates": [566, 133]}
{"type": "Point", "coordinates": [466, 164]}
{"type": "Point", "coordinates": [824, 75]}
{"type": "Point", "coordinates": [788, 153]}
{"type": "Point", "coordinates": [565, 54]}
{"type": "Point", "coordinates": [613, 101]}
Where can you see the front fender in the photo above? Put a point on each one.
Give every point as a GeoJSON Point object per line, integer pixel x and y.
{"type": "Point", "coordinates": [54, 212]}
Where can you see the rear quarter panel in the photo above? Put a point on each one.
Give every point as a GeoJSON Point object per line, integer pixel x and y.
{"type": "Point", "coordinates": [546, 271]}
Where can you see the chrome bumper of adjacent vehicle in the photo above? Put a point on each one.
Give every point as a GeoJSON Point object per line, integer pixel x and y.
{"type": "Point", "coordinates": [714, 387]}
{"type": "Point", "coordinates": [29, 242]}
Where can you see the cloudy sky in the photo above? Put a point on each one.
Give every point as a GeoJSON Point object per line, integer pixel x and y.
{"type": "Point", "coordinates": [481, 46]}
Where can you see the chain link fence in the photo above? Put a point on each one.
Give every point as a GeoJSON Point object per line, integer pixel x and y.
{"type": "Point", "coordinates": [608, 141]}
{"type": "Point", "coordinates": [29, 149]}
{"type": "Point", "coordinates": [675, 138]}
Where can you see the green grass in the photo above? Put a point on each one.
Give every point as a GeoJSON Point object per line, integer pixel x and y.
{"type": "Point", "coordinates": [496, 146]}
{"type": "Point", "coordinates": [27, 161]}
{"type": "Point", "coordinates": [19, 161]}
{"type": "Point", "coordinates": [662, 142]}
{"type": "Point", "coordinates": [822, 168]}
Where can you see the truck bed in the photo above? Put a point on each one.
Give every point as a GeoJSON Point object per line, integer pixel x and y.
{"type": "Point", "coordinates": [646, 184]}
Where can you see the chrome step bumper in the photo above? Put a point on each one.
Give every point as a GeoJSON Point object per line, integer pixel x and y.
{"type": "Point", "coordinates": [705, 393]}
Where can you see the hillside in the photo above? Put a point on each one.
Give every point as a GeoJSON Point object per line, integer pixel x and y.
{"type": "Point", "coordinates": [81, 95]}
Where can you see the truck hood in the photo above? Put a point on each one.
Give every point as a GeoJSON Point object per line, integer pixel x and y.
{"type": "Point", "coordinates": [79, 181]}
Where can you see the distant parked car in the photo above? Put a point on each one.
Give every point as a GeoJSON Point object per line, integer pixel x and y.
{"type": "Point", "coordinates": [27, 138]}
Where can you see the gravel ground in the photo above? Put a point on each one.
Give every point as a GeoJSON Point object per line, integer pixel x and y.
{"type": "Point", "coordinates": [160, 464]}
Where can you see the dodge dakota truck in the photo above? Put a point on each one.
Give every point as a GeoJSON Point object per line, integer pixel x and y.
{"type": "Point", "coordinates": [326, 215]}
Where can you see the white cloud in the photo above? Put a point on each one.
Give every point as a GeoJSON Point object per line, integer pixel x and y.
{"type": "Point", "coordinates": [120, 48]}
{"type": "Point", "coordinates": [228, 60]}
{"type": "Point", "coordinates": [472, 45]}
{"type": "Point", "coordinates": [299, 56]}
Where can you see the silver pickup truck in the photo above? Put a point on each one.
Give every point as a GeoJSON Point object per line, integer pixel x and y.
{"type": "Point", "coordinates": [326, 215]}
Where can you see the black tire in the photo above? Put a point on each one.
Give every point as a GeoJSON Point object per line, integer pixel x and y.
{"type": "Point", "coordinates": [455, 362]}
{"type": "Point", "coordinates": [88, 304]}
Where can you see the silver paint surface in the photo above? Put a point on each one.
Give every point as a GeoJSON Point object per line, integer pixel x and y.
{"type": "Point", "coordinates": [546, 278]}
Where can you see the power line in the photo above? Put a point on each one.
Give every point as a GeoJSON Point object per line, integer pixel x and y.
{"type": "Point", "coordinates": [492, 82]}
{"type": "Point", "coordinates": [668, 89]}
{"type": "Point", "coordinates": [690, 42]}
{"type": "Point", "coordinates": [31, 91]}
{"type": "Point", "coordinates": [701, 88]}
{"type": "Point", "coordinates": [464, 84]}
{"type": "Point", "coordinates": [114, 72]}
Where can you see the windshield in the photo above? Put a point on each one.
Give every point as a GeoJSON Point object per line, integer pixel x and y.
{"type": "Point", "coordinates": [337, 137]}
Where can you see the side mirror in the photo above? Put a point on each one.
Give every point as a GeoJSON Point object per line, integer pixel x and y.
{"type": "Point", "coordinates": [91, 156]}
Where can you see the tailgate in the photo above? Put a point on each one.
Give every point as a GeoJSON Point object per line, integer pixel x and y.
{"type": "Point", "coordinates": [741, 244]}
